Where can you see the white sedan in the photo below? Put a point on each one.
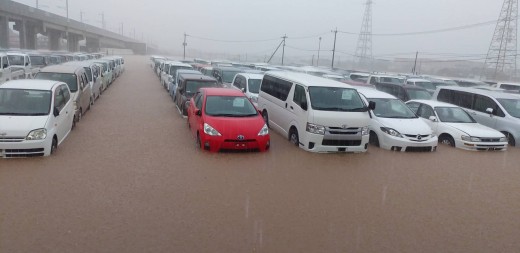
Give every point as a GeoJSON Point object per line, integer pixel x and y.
{"type": "Point", "coordinates": [455, 127]}
{"type": "Point", "coordinates": [394, 126]}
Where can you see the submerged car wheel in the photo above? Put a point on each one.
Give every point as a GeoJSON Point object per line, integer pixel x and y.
{"type": "Point", "coordinates": [80, 115]}
{"type": "Point", "coordinates": [54, 145]}
{"type": "Point", "coordinates": [447, 140]}
{"type": "Point", "coordinates": [373, 139]}
{"type": "Point", "coordinates": [198, 143]}
{"type": "Point", "coordinates": [293, 137]}
{"type": "Point", "coordinates": [510, 139]}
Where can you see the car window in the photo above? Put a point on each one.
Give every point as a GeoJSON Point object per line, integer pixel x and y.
{"type": "Point", "coordinates": [299, 96]}
{"type": "Point", "coordinates": [66, 93]}
{"type": "Point", "coordinates": [198, 100]}
{"type": "Point", "coordinates": [425, 111]}
{"type": "Point", "coordinates": [59, 99]}
{"type": "Point", "coordinates": [482, 103]}
{"type": "Point", "coordinates": [414, 106]}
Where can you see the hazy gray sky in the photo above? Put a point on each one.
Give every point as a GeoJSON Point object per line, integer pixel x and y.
{"type": "Point", "coordinates": [165, 21]}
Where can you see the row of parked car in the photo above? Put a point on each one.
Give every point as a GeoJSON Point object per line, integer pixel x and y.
{"type": "Point", "coordinates": [321, 114]}
{"type": "Point", "coordinates": [37, 114]}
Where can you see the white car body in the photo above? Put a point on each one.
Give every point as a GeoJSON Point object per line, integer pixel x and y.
{"type": "Point", "coordinates": [15, 130]}
{"type": "Point", "coordinates": [409, 134]}
{"type": "Point", "coordinates": [243, 84]}
{"type": "Point", "coordinates": [303, 118]}
{"type": "Point", "coordinates": [476, 136]}
{"type": "Point", "coordinates": [26, 66]}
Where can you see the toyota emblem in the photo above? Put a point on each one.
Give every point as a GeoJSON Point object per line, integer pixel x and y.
{"type": "Point", "coordinates": [419, 137]}
{"type": "Point", "coordinates": [344, 126]}
{"type": "Point", "coordinates": [240, 137]}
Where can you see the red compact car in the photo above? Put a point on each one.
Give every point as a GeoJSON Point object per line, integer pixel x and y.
{"type": "Point", "coordinates": [225, 120]}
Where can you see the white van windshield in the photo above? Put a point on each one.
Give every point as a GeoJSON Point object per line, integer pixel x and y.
{"type": "Point", "coordinates": [25, 102]}
{"type": "Point", "coordinates": [335, 99]}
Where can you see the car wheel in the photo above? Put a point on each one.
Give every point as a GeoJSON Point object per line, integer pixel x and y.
{"type": "Point", "coordinates": [183, 110]}
{"type": "Point", "coordinates": [293, 137]}
{"type": "Point", "coordinates": [198, 143]}
{"type": "Point", "coordinates": [54, 145]}
{"type": "Point", "coordinates": [73, 123]}
{"type": "Point", "coordinates": [510, 139]}
{"type": "Point", "coordinates": [373, 139]}
{"type": "Point", "coordinates": [80, 115]}
{"type": "Point", "coordinates": [266, 117]}
{"type": "Point", "coordinates": [447, 140]}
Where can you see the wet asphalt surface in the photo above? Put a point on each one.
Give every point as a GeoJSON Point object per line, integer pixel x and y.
{"type": "Point", "coordinates": [130, 179]}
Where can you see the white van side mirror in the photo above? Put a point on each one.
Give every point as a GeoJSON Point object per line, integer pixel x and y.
{"type": "Point", "coordinates": [433, 118]}
{"type": "Point", "coordinates": [490, 110]}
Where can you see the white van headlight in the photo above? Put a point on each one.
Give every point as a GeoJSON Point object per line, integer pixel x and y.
{"type": "Point", "coordinates": [470, 138]}
{"type": "Point", "coordinates": [364, 131]}
{"type": "Point", "coordinates": [37, 134]}
{"type": "Point", "coordinates": [254, 99]}
{"type": "Point", "coordinates": [209, 130]}
{"type": "Point", "coordinates": [391, 131]}
{"type": "Point", "coordinates": [503, 139]}
{"type": "Point", "coordinates": [264, 131]}
{"type": "Point", "coordinates": [315, 129]}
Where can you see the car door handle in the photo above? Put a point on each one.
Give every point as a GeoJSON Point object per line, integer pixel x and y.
{"type": "Point", "coordinates": [291, 107]}
{"type": "Point", "coordinates": [285, 105]}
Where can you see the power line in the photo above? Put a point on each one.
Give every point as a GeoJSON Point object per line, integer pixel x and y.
{"type": "Point", "coordinates": [231, 41]}
{"type": "Point", "coordinates": [428, 31]}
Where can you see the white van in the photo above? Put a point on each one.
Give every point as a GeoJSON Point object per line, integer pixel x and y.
{"type": "Point", "coordinates": [314, 113]}
{"type": "Point", "coordinates": [508, 86]}
{"type": "Point", "coordinates": [498, 110]}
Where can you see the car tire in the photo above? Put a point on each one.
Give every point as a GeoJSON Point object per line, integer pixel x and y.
{"type": "Point", "coordinates": [510, 139]}
{"type": "Point", "coordinates": [447, 139]}
{"type": "Point", "coordinates": [80, 115]}
{"type": "Point", "coordinates": [373, 139]}
{"type": "Point", "coordinates": [73, 123]}
{"type": "Point", "coordinates": [293, 137]}
{"type": "Point", "coordinates": [54, 145]}
{"type": "Point", "coordinates": [198, 142]}
{"type": "Point", "coordinates": [265, 116]}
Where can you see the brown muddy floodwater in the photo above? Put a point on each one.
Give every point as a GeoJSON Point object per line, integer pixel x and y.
{"type": "Point", "coordinates": [129, 179]}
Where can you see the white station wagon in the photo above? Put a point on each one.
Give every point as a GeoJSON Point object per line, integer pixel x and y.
{"type": "Point", "coordinates": [35, 115]}
{"type": "Point", "coordinates": [455, 127]}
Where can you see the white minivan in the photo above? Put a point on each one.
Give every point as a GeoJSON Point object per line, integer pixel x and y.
{"type": "Point", "coordinates": [498, 110]}
{"type": "Point", "coordinates": [249, 84]}
{"type": "Point", "coordinates": [35, 115]}
{"type": "Point", "coordinates": [315, 113]}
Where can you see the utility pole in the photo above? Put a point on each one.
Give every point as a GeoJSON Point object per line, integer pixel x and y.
{"type": "Point", "coordinates": [414, 70]}
{"type": "Point", "coordinates": [283, 49]}
{"type": "Point", "coordinates": [184, 44]}
{"type": "Point", "coordinates": [334, 48]}
{"type": "Point", "coordinates": [67, 7]}
{"type": "Point", "coordinates": [103, 20]}
{"type": "Point", "coordinates": [319, 47]}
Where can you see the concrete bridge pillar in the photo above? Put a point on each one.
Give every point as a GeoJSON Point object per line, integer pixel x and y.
{"type": "Point", "coordinates": [19, 25]}
{"type": "Point", "coordinates": [4, 32]}
{"type": "Point", "coordinates": [92, 45]}
{"type": "Point", "coordinates": [73, 42]}
{"type": "Point", "coordinates": [54, 39]}
{"type": "Point", "coordinates": [30, 36]}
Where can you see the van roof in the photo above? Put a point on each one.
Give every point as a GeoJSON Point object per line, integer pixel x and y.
{"type": "Point", "coordinates": [194, 76]}
{"type": "Point", "coordinates": [373, 93]}
{"type": "Point", "coordinates": [251, 75]}
{"type": "Point", "coordinates": [30, 84]}
{"type": "Point", "coordinates": [493, 94]}
{"type": "Point", "coordinates": [306, 79]}
{"type": "Point", "coordinates": [61, 69]}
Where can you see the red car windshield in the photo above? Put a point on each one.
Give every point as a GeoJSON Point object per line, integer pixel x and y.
{"type": "Point", "coordinates": [229, 106]}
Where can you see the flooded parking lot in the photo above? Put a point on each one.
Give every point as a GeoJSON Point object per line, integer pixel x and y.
{"type": "Point", "coordinates": [130, 179]}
